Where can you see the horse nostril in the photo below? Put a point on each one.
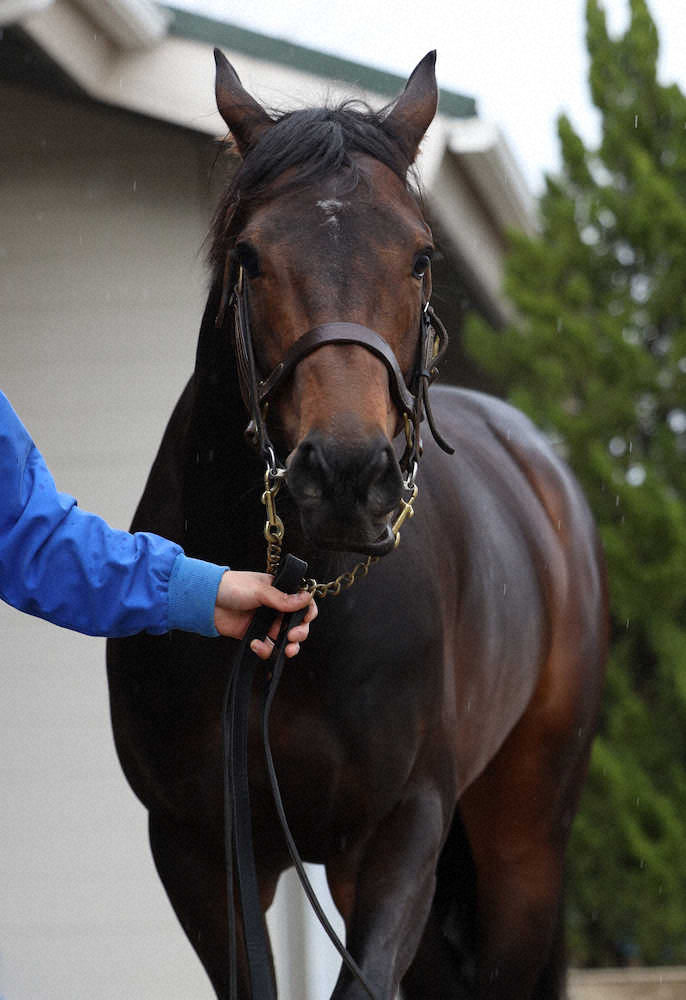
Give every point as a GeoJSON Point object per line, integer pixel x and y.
{"type": "Point", "coordinates": [383, 483]}
{"type": "Point", "coordinates": [359, 476]}
{"type": "Point", "coordinates": [310, 472]}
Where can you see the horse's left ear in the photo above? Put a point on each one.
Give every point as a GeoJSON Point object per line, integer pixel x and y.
{"type": "Point", "coordinates": [415, 108]}
{"type": "Point", "coordinates": [246, 119]}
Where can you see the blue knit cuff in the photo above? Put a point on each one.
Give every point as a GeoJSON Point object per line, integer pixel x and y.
{"type": "Point", "coordinates": [193, 589]}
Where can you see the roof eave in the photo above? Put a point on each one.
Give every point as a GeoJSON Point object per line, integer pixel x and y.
{"type": "Point", "coordinates": [476, 194]}
{"type": "Point", "coordinates": [471, 180]}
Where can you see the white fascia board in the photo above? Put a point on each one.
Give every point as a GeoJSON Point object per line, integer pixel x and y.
{"type": "Point", "coordinates": [172, 80]}
{"type": "Point", "coordinates": [476, 191]}
{"type": "Point", "coordinates": [72, 40]}
{"type": "Point", "coordinates": [469, 230]}
{"type": "Point", "coordinates": [131, 24]}
{"type": "Point", "coordinates": [484, 155]}
{"type": "Point", "coordinates": [12, 11]}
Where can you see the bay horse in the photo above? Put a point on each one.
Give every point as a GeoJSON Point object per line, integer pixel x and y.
{"type": "Point", "coordinates": [432, 737]}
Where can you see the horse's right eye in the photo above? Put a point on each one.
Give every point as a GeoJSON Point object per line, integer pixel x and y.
{"type": "Point", "coordinates": [422, 262]}
{"type": "Point", "coordinates": [246, 256]}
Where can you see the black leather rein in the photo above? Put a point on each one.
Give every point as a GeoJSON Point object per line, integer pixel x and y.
{"type": "Point", "coordinates": [241, 872]}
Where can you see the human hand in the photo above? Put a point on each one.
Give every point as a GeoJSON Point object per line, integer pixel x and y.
{"type": "Point", "coordinates": [239, 595]}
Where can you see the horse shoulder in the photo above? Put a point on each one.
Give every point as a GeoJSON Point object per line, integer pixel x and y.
{"type": "Point", "coordinates": [564, 551]}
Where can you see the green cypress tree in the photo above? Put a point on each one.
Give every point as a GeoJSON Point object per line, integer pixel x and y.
{"type": "Point", "coordinates": [597, 357]}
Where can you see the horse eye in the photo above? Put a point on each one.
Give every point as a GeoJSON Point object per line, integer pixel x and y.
{"type": "Point", "coordinates": [421, 265]}
{"type": "Point", "coordinates": [246, 255]}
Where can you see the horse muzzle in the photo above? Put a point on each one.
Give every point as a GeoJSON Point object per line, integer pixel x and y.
{"type": "Point", "coordinates": [346, 492]}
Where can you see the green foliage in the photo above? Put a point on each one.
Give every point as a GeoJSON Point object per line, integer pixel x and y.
{"type": "Point", "coordinates": [598, 358]}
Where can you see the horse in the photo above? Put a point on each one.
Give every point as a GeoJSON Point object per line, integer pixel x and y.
{"type": "Point", "coordinates": [432, 737]}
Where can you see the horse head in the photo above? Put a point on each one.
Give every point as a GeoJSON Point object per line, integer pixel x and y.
{"type": "Point", "coordinates": [325, 257]}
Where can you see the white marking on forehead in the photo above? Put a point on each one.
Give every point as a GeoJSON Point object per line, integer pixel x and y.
{"type": "Point", "coordinates": [330, 206]}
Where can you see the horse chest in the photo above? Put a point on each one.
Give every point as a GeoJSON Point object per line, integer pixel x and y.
{"type": "Point", "coordinates": [345, 747]}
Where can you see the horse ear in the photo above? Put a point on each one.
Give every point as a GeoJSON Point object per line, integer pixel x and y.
{"type": "Point", "coordinates": [414, 110]}
{"type": "Point", "coordinates": [246, 119]}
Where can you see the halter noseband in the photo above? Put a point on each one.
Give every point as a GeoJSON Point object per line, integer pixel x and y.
{"type": "Point", "coordinates": [409, 395]}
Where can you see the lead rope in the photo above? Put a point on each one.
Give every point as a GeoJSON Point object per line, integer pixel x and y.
{"type": "Point", "coordinates": [240, 856]}
{"type": "Point", "coordinates": [272, 681]}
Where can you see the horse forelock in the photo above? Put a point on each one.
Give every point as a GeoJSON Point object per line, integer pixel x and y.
{"type": "Point", "coordinates": [311, 145]}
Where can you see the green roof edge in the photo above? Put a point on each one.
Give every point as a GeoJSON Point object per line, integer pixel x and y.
{"type": "Point", "coordinates": [186, 24]}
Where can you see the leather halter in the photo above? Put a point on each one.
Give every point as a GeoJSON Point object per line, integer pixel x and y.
{"type": "Point", "coordinates": [410, 394]}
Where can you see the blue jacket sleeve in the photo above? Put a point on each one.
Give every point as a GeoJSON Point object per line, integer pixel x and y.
{"type": "Point", "coordinates": [68, 566]}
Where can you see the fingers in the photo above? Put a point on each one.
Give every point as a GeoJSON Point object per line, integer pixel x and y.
{"type": "Point", "coordinates": [297, 635]}
{"type": "Point", "coordinates": [276, 599]}
{"type": "Point", "coordinates": [312, 612]}
{"type": "Point", "coordinates": [263, 647]}
{"type": "Point", "coordinates": [299, 632]}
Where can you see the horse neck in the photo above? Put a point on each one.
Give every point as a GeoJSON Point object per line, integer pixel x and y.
{"type": "Point", "coordinates": [222, 480]}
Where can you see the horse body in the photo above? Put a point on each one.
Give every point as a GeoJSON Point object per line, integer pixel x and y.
{"type": "Point", "coordinates": [432, 735]}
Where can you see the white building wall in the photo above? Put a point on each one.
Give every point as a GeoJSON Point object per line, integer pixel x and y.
{"type": "Point", "coordinates": [102, 218]}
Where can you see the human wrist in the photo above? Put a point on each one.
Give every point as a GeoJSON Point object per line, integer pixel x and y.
{"type": "Point", "coordinates": [192, 595]}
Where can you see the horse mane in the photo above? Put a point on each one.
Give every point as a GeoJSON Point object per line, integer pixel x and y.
{"type": "Point", "coordinates": [314, 143]}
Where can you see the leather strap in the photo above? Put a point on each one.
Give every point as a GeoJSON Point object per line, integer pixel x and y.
{"type": "Point", "coordinates": [238, 841]}
{"type": "Point", "coordinates": [340, 333]}
{"type": "Point", "coordinates": [270, 691]}
{"type": "Point", "coordinates": [240, 856]}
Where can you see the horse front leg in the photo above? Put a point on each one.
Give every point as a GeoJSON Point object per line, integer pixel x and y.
{"type": "Point", "coordinates": [517, 817]}
{"type": "Point", "coordinates": [190, 863]}
{"type": "Point", "coordinates": [384, 891]}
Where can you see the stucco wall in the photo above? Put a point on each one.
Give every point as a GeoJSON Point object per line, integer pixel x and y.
{"type": "Point", "coordinates": [102, 218]}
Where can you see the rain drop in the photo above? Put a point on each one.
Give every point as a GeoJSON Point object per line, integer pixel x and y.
{"type": "Point", "coordinates": [625, 254]}
{"type": "Point", "coordinates": [641, 287]}
{"type": "Point", "coordinates": [676, 420]}
{"type": "Point", "coordinates": [631, 336]}
{"type": "Point", "coordinates": [606, 218]}
{"type": "Point", "coordinates": [635, 475]}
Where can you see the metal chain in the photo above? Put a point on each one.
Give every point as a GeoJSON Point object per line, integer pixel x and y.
{"type": "Point", "coordinates": [273, 528]}
{"type": "Point", "coordinates": [274, 531]}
